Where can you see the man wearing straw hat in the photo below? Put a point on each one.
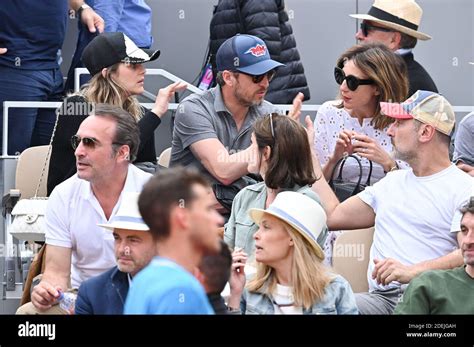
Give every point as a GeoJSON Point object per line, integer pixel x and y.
{"type": "Point", "coordinates": [134, 248]}
{"type": "Point", "coordinates": [395, 24]}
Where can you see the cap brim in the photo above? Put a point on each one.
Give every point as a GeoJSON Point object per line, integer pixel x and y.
{"type": "Point", "coordinates": [417, 34]}
{"type": "Point", "coordinates": [125, 225]}
{"type": "Point", "coordinates": [141, 56]}
{"type": "Point", "coordinates": [261, 67]}
{"type": "Point", "coordinates": [394, 110]}
{"type": "Point", "coordinates": [256, 214]}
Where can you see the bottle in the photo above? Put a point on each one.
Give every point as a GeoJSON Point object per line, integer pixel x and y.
{"type": "Point", "coordinates": [67, 301]}
{"type": "Point", "coordinates": [206, 78]}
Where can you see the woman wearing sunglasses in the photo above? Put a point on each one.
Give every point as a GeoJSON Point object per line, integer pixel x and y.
{"type": "Point", "coordinates": [367, 74]}
{"type": "Point", "coordinates": [118, 75]}
{"type": "Point", "coordinates": [281, 154]}
{"type": "Point", "coordinates": [290, 277]}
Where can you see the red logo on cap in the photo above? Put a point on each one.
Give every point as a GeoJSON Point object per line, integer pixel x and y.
{"type": "Point", "coordinates": [257, 51]}
{"type": "Point", "coordinates": [411, 99]}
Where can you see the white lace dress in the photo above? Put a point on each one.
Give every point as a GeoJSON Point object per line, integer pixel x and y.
{"type": "Point", "coordinates": [329, 122]}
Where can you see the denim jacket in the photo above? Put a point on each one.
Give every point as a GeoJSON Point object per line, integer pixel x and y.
{"type": "Point", "coordinates": [338, 299]}
{"type": "Point", "coordinates": [240, 228]}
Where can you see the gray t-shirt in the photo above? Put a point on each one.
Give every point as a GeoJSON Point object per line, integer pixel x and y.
{"type": "Point", "coordinates": [205, 116]}
{"type": "Point", "coordinates": [464, 141]}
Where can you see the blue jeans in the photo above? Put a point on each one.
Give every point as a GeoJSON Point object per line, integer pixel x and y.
{"type": "Point", "coordinates": [27, 126]}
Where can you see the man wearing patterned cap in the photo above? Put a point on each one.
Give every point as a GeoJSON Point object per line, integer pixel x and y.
{"type": "Point", "coordinates": [416, 212]}
{"type": "Point", "coordinates": [395, 24]}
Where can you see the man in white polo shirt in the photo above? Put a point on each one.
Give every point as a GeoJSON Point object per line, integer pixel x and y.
{"type": "Point", "coordinates": [105, 145]}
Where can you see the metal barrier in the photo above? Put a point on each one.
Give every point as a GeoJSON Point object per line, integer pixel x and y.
{"type": "Point", "coordinates": [7, 105]}
{"type": "Point", "coordinates": [172, 106]}
{"type": "Point", "coordinates": [156, 72]}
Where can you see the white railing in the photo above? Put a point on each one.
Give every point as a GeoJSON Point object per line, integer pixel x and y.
{"type": "Point", "coordinates": [158, 72]}
{"type": "Point", "coordinates": [7, 105]}
{"type": "Point", "coordinates": [154, 72]}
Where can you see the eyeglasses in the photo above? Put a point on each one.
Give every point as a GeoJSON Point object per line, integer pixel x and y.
{"type": "Point", "coordinates": [259, 78]}
{"type": "Point", "coordinates": [352, 82]}
{"type": "Point", "coordinates": [88, 142]}
{"type": "Point", "coordinates": [365, 28]}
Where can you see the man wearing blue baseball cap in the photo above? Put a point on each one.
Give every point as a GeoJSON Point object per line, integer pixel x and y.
{"type": "Point", "coordinates": [416, 212]}
{"type": "Point", "coordinates": [212, 130]}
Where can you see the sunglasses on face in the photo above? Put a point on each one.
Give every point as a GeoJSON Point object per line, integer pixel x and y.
{"type": "Point", "coordinates": [259, 78]}
{"type": "Point", "coordinates": [365, 28]}
{"type": "Point", "coordinates": [352, 82]}
{"type": "Point", "coordinates": [88, 142]}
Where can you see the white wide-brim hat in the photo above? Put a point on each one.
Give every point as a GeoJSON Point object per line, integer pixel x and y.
{"type": "Point", "coordinates": [300, 212]}
{"type": "Point", "coordinates": [128, 216]}
{"type": "Point", "coordinates": [400, 15]}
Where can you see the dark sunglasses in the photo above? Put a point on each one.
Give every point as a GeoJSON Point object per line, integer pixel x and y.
{"type": "Point", "coordinates": [352, 82]}
{"type": "Point", "coordinates": [259, 78]}
{"type": "Point", "coordinates": [365, 28]}
{"type": "Point", "coordinates": [89, 142]}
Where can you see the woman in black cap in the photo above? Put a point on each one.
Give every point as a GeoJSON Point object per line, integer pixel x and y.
{"type": "Point", "coordinates": [118, 75]}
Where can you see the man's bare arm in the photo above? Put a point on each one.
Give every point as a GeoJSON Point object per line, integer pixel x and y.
{"type": "Point", "coordinates": [389, 270]}
{"type": "Point", "coordinates": [56, 276]}
{"type": "Point", "coordinates": [216, 159]}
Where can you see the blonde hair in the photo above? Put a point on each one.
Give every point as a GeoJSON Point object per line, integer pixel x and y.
{"type": "Point", "coordinates": [309, 278]}
{"type": "Point", "coordinates": [105, 90]}
{"type": "Point", "coordinates": [386, 68]}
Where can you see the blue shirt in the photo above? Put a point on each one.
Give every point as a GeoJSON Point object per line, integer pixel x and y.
{"type": "Point", "coordinates": [33, 32]}
{"type": "Point", "coordinates": [132, 17]}
{"type": "Point", "coordinates": [164, 287]}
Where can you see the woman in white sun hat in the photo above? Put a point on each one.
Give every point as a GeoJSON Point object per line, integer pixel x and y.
{"type": "Point", "coordinates": [290, 277]}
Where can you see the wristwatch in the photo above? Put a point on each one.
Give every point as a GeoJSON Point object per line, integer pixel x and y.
{"type": "Point", "coordinates": [80, 9]}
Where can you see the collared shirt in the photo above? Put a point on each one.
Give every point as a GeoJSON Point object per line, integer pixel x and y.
{"type": "Point", "coordinates": [205, 116]}
{"type": "Point", "coordinates": [132, 17]}
{"type": "Point", "coordinates": [72, 216]}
